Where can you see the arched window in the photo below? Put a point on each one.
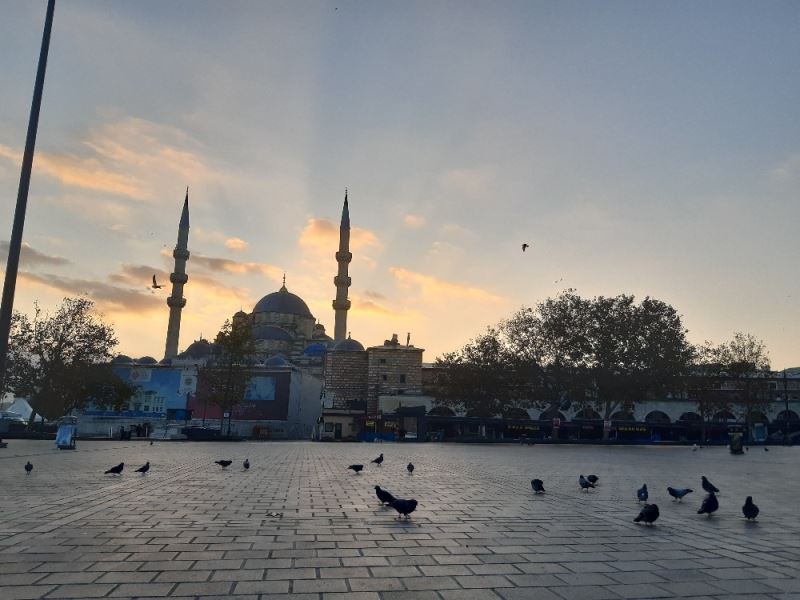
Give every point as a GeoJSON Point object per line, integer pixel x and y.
{"type": "Point", "coordinates": [587, 414]}
{"type": "Point", "coordinates": [622, 415]}
{"type": "Point", "coordinates": [549, 415]}
{"type": "Point", "coordinates": [483, 413]}
{"type": "Point", "coordinates": [690, 417]}
{"type": "Point", "coordinates": [516, 413]}
{"type": "Point", "coordinates": [441, 411]}
{"type": "Point", "coordinates": [657, 416]}
{"type": "Point", "coordinates": [781, 418]}
{"type": "Point", "coordinates": [724, 416]}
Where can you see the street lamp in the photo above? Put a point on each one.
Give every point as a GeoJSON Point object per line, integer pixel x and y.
{"type": "Point", "coordinates": [786, 412]}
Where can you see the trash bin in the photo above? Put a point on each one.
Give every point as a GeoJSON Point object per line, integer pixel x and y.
{"type": "Point", "coordinates": [736, 443]}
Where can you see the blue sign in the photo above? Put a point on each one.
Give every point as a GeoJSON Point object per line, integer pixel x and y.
{"type": "Point", "coordinates": [261, 388]}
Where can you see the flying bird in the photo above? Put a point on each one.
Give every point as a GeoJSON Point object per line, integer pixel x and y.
{"type": "Point", "coordinates": [246, 464]}
{"type": "Point", "coordinates": [404, 507]}
{"type": "Point", "coordinates": [641, 493]}
{"type": "Point", "coordinates": [593, 479]}
{"type": "Point", "coordinates": [378, 460]}
{"type": "Point", "coordinates": [356, 468]}
{"type": "Point", "coordinates": [384, 496]}
{"type": "Point", "coordinates": [223, 463]}
{"type": "Point", "coordinates": [525, 247]}
{"type": "Point", "coordinates": [538, 486]}
{"type": "Point", "coordinates": [750, 510]}
{"type": "Point", "coordinates": [116, 470]}
{"type": "Point", "coordinates": [708, 486]}
{"type": "Point", "coordinates": [585, 483]}
{"type": "Point", "coordinates": [710, 505]}
{"type": "Point", "coordinates": [28, 467]}
{"type": "Point", "coordinates": [678, 493]}
{"type": "Point", "coordinates": [648, 514]}
{"type": "Point", "coordinates": [144, 468]}
{"type": "Point", "coordinates": [410, 468]}
{"type": "Point", "coordinates": [155, 284]}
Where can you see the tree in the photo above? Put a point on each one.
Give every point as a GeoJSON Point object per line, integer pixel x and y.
{"type": "Point", "coordinates": [226, 378]}
{"type": "Point", "coordinates": [705, 381]}
{"type": "Point", "coordinates": [57, 361]}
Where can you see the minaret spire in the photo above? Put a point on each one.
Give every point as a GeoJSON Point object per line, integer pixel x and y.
{"type": "Point", "coordinates": [342, 281]}
{"type": "Point", "coordinates": [178, 277]}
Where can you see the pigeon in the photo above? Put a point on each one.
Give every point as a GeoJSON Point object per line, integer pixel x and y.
{"type": "Point", "coordinates": [694, 448]}
{"type": "Point", "coordinates": [641, 493]}
{"type": "Point", "coordinates": [708, 486]}
{"type": "Point", "coordinates": [525, 247]}
{"type": "Point", "coordinates": [410, 468]}
{"type": "Point", "coordinates": [404, 507]}
{"type": "Point", "coordinates": [538, 486]}
{"type": "Point", "coordinates": [710, 505]}
{"type": "Point", "coordinates": [593, 479]}
{"type": "Point", "coordinates": [648, 514]}
{"type": "Point", "coordinates": [151, 442]}
{"type": "Point", "coordinates": [766, 449]}
{"type": "Point", "coordinates": [750, 510]}
{"type": "Point", "coordinates": [144, 468]}
{"type": "Point", "coordinates": [384, 496]}
{"type": "Point", "coordinates": [116, 470]}
{"type": "Point", "coordinates": [356, 468]}
{"type": "Point", "coordinates": [28, 467]}
{"type": "Point", "coordinates": [223, 463]}
{"type": "Point", "coordinates": [246, 464]}
{"type": "Point", "coordinates": [678, 493]}
{"type": "Point", "coordinates": [378, 460]}
{"type": "Point", "coordinates": [585, 483]}
{"type": "Point", "coordinates": [155, 285]}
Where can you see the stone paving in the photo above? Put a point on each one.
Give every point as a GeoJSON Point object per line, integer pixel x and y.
{"type": "Point", "coordinates": [299, 525]}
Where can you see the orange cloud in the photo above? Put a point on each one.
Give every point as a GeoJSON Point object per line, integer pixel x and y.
{"type": "Point", "coordinates": [413, 221]}
{"type": "Point", "coordinates": [321, 235]}
{"type": "Point", "coordinates": [433, 288]}
{"type": "Point", "coordinates": [236, 244]}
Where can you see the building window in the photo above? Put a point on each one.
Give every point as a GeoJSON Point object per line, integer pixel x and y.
{"type": "Point", "coordinates": [383, 376]}
{"type": "Point", "coordinates": [328, 427]}
{"type": "Point", "coordinates": [383, 361]}
{"type": "Point", "coordinates": [402, 378]}
{"type": "Point", "coordinates": [400, 392]}
{"type": "Point", "coordinates": [773, 385]}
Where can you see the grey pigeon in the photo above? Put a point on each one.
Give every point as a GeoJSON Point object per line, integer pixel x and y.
{"type": "Point", "coordinates": [404, 507]}
{"type": "Point", "coordinates": [356, 468]}
{"type": "Point", "coordinates": [410, 468]}
{"type": "Point", "coordinates": [246, 464]}
{"type": "Point", "coordinates": [766, 449]}
{"type": "Point", "coordinates": [641, 493]}
{"type": "Point", "coordinates": [749, 510]}
{"type": "Point", "coordinates": [584, 483]}
{"type": "Point", "coordinates": [710, 505]}
{"type": "Point", "coordinates": [678, 493]}
{"type": "Point", "coordinates": [648, 514]}
{"type": "Point", "coordinates": [116, 470]}
{"type": "Point", "coordinates": [708, 486]}
{"type": "Point", "coordinates": [28, 467]}
{"type": "Point", "coordinates": [223, 463]}
{"type": "Point", "coordinates": [384, 496]}
{"type": "Point", "coordinates": [379, 460]}
{"type": "Point", "coordinates": [593, 479]}
{"type": "Point", "coordinates": [537, 485]}
{"type": "Point", "coordinates": [144, 468]}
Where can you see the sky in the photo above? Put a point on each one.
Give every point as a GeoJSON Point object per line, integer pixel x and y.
{"type": "Point", "coordinates": [638, 147]}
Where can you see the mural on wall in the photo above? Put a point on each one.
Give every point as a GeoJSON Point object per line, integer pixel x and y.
{"type": "Point", "coordinates": [161, 391]}
{"type": "Point", "coordinates": [260, 389]}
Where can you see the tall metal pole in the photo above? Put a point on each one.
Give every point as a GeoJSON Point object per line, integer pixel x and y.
{"type": "Point", "coordinates": [786, 403]}
{"type": "Point", "coordinates": [15, 244]}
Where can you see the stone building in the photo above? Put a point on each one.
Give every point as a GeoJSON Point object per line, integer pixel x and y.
{"type": "Point", "coordinates": [393, 369]}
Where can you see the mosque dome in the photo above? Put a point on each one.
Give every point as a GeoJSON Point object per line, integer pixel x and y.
{"type": "Point", "coordinates": [270, 332]}
{"type": "Point", "coordinates": [122, 359]}
{"type": "Point", "coordinates": [146, 360]}
{"type": "Point", "coordinates": [279, 360]}
{"type": "Point", "coordinates": [315, 349]}
{"type": "Point", "coordinates": [283, 301]}
{"type": "Point", "coordinates": [348, 345]}
{"type": "Point", "coordinates": [199, 349]}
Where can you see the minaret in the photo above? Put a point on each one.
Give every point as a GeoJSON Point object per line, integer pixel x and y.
{"type": "Point", "coordinates": [178, 277]}
{"type": "Point", "coordinates": [341, 305]}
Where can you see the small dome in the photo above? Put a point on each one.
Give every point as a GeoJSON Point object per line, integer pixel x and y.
{"type": "Point", "coordinates": [240, 315]}
{"type": "Point", "coordinates": [278, 360]}
{"type": "Point", "coordinates": [199, 349]}
{"type": "Point", "coordinates": [348, 345]}
{"type": "Point", "coordinates": [271, 332]}
{"type": "Point", "coordinates": [283, 301]}
{"type": "Point", "coordinates": [146, 360]}
{"type": "Point", "coordinates": [315, 350]}
{"type": "Point", "coordinates": [122, 359]}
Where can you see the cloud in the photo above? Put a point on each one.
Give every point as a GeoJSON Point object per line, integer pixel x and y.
{"type": "Point", "coordinates": [472, 182]}
{"type": "Point", "coordinates": [30, 257]}
{"type": "Point", "coordinates": [236, 244]}
{"type": "Point", "coordinates": [321, 235]}
{"type": "Point", "coordinates": [227, 265]}
{"type": "Point", "coordinates": [433, 288]}
{"type": "Point", "coordinates": [413, 221]}
{"type": "Point", "coordinates": [788, 169]}
{"type": "Point", "coordinates": [374, 295]}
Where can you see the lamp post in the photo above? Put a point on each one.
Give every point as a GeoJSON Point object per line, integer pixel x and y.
{"type": "Point", "coordinates": [15, 243]}
{"type": "Point", "coordinates": [786, 412]}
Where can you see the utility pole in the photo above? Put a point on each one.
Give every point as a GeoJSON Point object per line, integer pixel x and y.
{"type": "Point", "coordinates": [786, 404]}
{"type": "Point", "coordinates": [15, 244]}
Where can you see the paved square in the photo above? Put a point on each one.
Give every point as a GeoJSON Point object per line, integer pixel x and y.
{"type": "Point", "coordinates": [190, 529]}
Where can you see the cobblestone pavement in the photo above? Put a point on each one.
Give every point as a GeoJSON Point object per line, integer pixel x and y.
{"type": "Point", "coordinates": [192, 529]}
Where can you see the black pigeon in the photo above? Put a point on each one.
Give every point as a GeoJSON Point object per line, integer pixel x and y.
{"type": "Point", "coordinates": [144, 468]}
{"type": "Point", "coordinates": [155, 285]}
{"type": "Point", "coordinates": [678, 493]}
{"type": "Point", "coordinates": [710, 505]}
{"type": "Point", "coordinates": [246, 464]}
{"type": "Point", "coordinates": [708, 486]}
{"type": "Point", "coordinates": [223, 463]}
{"type": "Point", "coordinates": [384, 496]}
{"type": "Point", "coordinates": [641, 493]}
{"type": "Point", "coordinates": [525, 247]}
{"type": "Point", "coordinates": [28, 467]}
{"type": "Point", "coordinates": [648, 514]}
{"type": "Point", "coordinates": [593, 479]}
{"type": "Point", "coordinates": [749, 510]}
{"type": "Point", "coordinates": [116, 470]}
{"type": "Point", "coordinates": [378, 460]}
{"type": "Point", "coordinates": [410, 468]}
{"type": "Point", "coordinates": [585, 483]}
{"type": "Point", "coordinates": [537, 485]}
{"type": "Point", "coordinates": [356, 468]}
{"type": "Point", "coordinates": [404, 507]}
{"type": "Point", "coordinates": [151, 442]}
{"type": "Point", "coordinates": [766, 449]}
